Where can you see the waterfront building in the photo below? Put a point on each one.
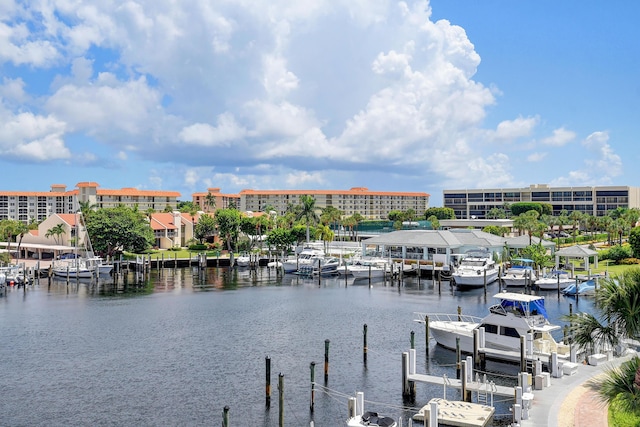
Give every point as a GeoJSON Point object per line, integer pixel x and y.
{"type": "Point", "coordinates": [596, 201]}
{"type": "Point", "coordinates": [369, 204]}
{"type": "Point", "coordinates": [213, 199]}
{"type": "Point", "coordinates": [27, 206]}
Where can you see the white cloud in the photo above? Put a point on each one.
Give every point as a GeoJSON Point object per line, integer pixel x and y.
{"type": "Point", "coordinates": [32, 137]}
{"type": "Point", "coordinates": [560, 137]}
{"type": "Point", "coordinates": [278, 81]}
{"type": "Point", "coordinates": [536, 157]}
{"type": "Point", "coordinates": [509, 130]}
{"type": "Point", "coordinates": [303, 179]}
{"type": "Point", "coordinates": [221, 135]}
{"type": "Point", "coordinates": [606, 162]}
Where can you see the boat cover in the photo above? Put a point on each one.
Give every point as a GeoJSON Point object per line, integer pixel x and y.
{"type": "Point", "coordinates": [532, 307]}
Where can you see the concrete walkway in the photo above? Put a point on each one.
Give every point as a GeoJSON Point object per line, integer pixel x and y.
{"type": "Point", "coordinates": [571, 401]}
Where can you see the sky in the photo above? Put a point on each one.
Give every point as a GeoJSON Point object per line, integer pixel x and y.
{"type": "Point", "coordinates": [322, 94]}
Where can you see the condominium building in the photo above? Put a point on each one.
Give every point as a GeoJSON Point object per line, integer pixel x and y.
{"type": "Point", "coordinates": [27, 206]}
{"type": "Point", "coordinates": [596, 201]}
{"type": "Point", "coordinates": [369, 204]}
{"type": "Point", "coordinates": [213, 199]}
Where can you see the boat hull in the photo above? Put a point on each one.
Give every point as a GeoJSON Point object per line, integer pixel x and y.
{"type": "Point", "coordinates": [474, 280]}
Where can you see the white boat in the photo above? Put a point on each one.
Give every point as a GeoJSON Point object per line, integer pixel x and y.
{"type": "Point", "coordinates": [12, 275]}
{"type": "Point", "coordinates": [587, 288]}
{"type": "Point", "coordinates": [374, 268]}
{"type": "Point", "coordinates": [243, 260]}
{"type": "Point", "coordinates": [520, 273]}
{"type": "Point", "coordinates": [476, 269]}
{"type": "Point", "coordinates": [555, 279]}
{"type": "Point", "coordinates": [323, 266]}
{"type": "Point", "coordinates": [307, 256]}
{"type": "Point", "coordinates": [358, 417]}
{"type": "Point", "coordinates": [514, 316]}
{"type": "Point", "coordinates": [75, 268]}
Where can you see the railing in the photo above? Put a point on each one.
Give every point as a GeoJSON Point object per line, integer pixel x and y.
{"type": "Point", "coordinates": [447, 317]}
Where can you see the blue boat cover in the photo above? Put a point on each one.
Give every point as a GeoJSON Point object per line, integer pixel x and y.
{"type": "Point", "coordinates": [534, 307]}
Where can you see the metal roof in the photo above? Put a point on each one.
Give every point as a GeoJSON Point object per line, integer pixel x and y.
{"type": "Point", "coordinates": [576, 251]}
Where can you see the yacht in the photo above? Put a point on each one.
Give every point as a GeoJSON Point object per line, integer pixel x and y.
{"type": "Point", "coordinates": [307, 257]}
{"type": "Point", "coordinates": [513, 316]}
{"type": "Point", "coordinates": [520, 273]}
{"type": "Point", "coordinates": [476, 269]}
{"type": "Point", "coordinates": [555, 279]}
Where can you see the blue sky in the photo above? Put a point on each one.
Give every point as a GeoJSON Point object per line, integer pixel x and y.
{"type": "Point", "coordinates": [322, 94]}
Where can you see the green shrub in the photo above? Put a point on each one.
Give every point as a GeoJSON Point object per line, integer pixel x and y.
{"type": "Point", "coordinates": [198, 247]}
{"type": "Point", "coordinates": [617, 253]}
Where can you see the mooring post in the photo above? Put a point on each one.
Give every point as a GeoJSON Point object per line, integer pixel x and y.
{"type": "Point", "coordinates": [426, 334]}
{"type": "Point", "coordinates": [458, 357]}
{"type": "Point", "coordinates": [459, 314]}
{"type": "Point", "coordinates": [413, 340]}
{"type": "Point", "coordinates": [476, 345]}
{"type": "Point", "coordinates": [364, 346]}
{"type": "Point", "coordinates": [326, 360]}
{"type": "Point", "coordinates": [225, 417]}
{"type": "Point", "coordinates": [523, 366]}
{"type": "Point", "coordinates": [463, 378]}
{"type": "Point", "coordinates": [558, 287]}
{"type": "Point", "coordinates": [312, 367]}
{"type": "Point", "coordinates": [267, 361]}
{"type": "Point", "coordinates": [281, 399]}
{"type": "Point", "coordinates": [485, 283]}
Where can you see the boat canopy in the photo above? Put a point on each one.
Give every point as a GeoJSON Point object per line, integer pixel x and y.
{"type": "Point", "coordinates": [527, 307]}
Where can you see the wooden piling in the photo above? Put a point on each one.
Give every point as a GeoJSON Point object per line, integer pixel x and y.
{"type": "Point", "coordinates": [281, 399]}
{"type": "Point", "coordinates": [458, 357]}
{"type": "Point", "coordinates": [225, 417]}
{"type": "Point", "coordinates": [364, 347]}
{"type": "Point", "coordinates": [485, 282]}
{"type": "Point", "coordinates": [267, 361]}
{"type": "Point", "coordinates": [459, 314]}
{"type": "Point", "coordinates": [466, 396]}
{"type": "Point", "coordinates": [426, 334]}
{"type": "Point", "coordinates": [312, 367]}
{"type": "Point", "coordinates": [413, 340]}
{"type": "Point", "coordinates": [523, 366]}
{"type": "Point", "coordinates": [326, 360]}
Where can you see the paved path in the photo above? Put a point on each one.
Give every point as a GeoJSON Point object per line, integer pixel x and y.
{"type": "Point", "coordinates": [571, 401]}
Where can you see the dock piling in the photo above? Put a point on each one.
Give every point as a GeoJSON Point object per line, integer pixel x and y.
{"type": "Point", "coordinates": [326, 360]}
{"type": "Point", "coordinates": [267, 361]}
{"type": "Point", "coordinates": [364, 346]}
{"type": "Point", "coordinates": [312, 367]}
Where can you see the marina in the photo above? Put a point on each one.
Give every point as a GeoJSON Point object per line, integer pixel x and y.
{"type": "Point", "coordinates": [188, 342]}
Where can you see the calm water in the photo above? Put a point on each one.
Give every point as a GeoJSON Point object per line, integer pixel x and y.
{"type": "Point", "coordinates": [178, 350]}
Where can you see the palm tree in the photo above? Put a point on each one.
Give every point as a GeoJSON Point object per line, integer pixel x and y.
{"type": "Point", "coordinates": [210, 202]}
{"type": "Point", "coordinates": [307, 211]}
{"type": "Point", "coordinates": [55, 232]}
{"type": "Point", "coordinates": [495, 213]}
{"type": "Point", "coordinates": [617, 316]}
{"type": "Point", "coordinates": [435, 223]}
{"type": "Point", "coordinates": [331, 215]}
{"type": "Point", "coordinates": [604, 223]}
{"type": "Point", "coordinates": [575, 217]}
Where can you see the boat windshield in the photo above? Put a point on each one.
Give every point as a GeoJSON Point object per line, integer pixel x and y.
{"type": "Point", "coordinates": [528, 308]}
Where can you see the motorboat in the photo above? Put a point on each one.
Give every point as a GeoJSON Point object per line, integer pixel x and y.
{"type": "Point", "coordinates": [306, 257]}
{"type": "Point", "coordinates": [98, 263]}
{"type": "Point", "coordinates": [520, 273]}
{"type": "Point", "coordinates": [358, 417]}
{"type": "Point", "coordinates": [243, 260]}
{"type": "Point", "coordinates": [76, 268]}
{"type": "Point", "coordinates": [587, 288]}
{"type": "Point", "coordinates": [322, 266]}
{"type": "Point", "coordinates": [554, 279]}
{"type": "Point", "coordinates": [369, 268]}
{"type": "Point", "coordinates": [12, 275]}
{"type": "Point", "coordinates": [476, 269]}
{"type": "Point", "coordinates": [513, 316]}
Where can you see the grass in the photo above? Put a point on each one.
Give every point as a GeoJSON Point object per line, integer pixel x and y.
{"type": "Point", "coordinates": [619, 418]}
